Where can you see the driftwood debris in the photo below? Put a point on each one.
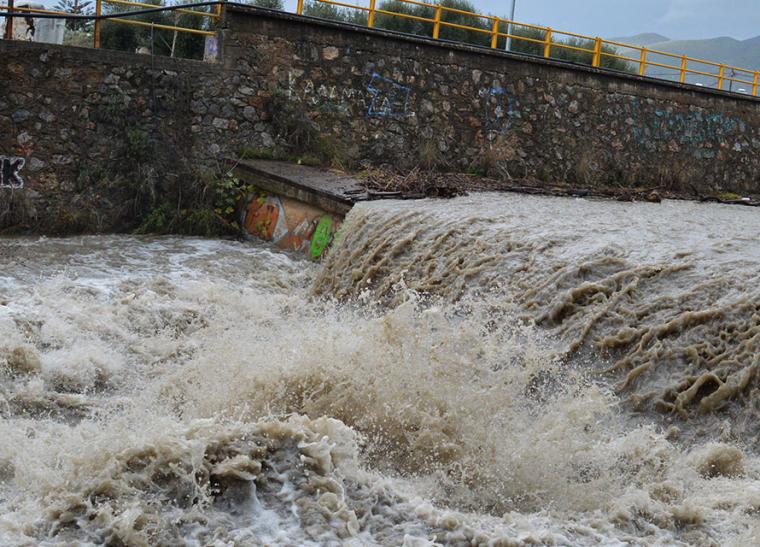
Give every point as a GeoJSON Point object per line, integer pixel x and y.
{"type": "Point", "coordinates": [418, 183]}
{"type": "Point", "coordinates": [381, 184]}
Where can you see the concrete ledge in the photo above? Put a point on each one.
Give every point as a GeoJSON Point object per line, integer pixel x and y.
{"type": "Point", "coordinates": [332, 192]}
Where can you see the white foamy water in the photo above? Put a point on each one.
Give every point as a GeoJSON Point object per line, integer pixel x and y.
{"type": "Point", "coordinates": [419, 388]}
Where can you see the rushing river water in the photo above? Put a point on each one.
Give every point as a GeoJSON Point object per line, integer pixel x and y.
{"type": "Point", "coordinates": [489, 370]}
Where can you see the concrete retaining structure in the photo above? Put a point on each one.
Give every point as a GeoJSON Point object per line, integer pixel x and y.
{"type": "Point", "coordinates": [295, 207]}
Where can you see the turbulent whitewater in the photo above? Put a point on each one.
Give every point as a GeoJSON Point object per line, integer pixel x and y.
{"type": "Point", "coordinates": [488, 370]}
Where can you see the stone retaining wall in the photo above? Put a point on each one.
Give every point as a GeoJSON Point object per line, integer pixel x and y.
{"type": "Point", "coordinates": [100, 133]}
{"type": "Point", "coordinates": [91, 139]}
{"type": "Point", "coordinates": [411, 101]}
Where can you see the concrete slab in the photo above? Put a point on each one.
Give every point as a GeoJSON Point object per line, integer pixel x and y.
{"type": "Point", "coordinates": [328, 190]}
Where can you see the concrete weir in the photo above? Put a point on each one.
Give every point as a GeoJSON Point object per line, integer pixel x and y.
{"type": "Point", "coordinates": [296, 207]}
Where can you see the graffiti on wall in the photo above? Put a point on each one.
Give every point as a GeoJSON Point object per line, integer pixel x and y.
{"type": "Point", "coordinates": [330, 98]}
{"type": "Point", "coordinates": [389, 98]}
{"type": "Point", "coordinates": [265, 218]}
{"type": "Point", "coordinates": [698, 128]}
{"type": "Point", "coordinates": [695, 127]}
{"type": "Point", "coordinates": [10, 171]}
{"type": "Point", "coordinates": [497, 111]}
{"type": "Point", "coordinates": [290, 224]}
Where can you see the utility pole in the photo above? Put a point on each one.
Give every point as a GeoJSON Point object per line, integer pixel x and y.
{"type": "Point", "coordinates": [509, 27]}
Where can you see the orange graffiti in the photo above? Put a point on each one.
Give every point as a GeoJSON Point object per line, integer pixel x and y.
{"type": "Point", "coordinates": [261, 218]}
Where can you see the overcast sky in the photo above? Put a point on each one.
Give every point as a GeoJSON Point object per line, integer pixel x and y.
{"type": "Point", "coordinates": [676, 19]}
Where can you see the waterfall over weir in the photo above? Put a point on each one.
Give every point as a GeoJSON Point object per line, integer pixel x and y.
{"type": "Point", "coordinates": [487, 370]}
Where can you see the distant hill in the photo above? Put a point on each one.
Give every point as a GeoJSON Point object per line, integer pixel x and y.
{"type": "Point", "coordinates": [643, 39]}
{"type": "Point", "coordinates": [729, 51]}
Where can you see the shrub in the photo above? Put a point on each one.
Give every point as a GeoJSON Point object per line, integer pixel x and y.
{"type": "Point", "coordinates": [461, 35]}
{"type": "Point", "coordinates": [527, 47]}
{"type": "Point", "coordinates": [115, 35]}
{"type": "Point", "coordinates": [403, 24]}
{"type": "Point", "coordinates": [315, 8]}
{"type": "Point", "coordinates": [270, 4]}
{"type": "Point", "coordinates": [564, 53]}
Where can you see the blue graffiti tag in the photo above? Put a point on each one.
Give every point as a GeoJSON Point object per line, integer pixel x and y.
{"type": "Point", "coordinates": [697, 127]}
{"type": "Point", "coordinates": [498, 111]}
{"type": "Point", "coordinates": [389, 98]}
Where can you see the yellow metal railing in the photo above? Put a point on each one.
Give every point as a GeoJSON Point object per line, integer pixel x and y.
{"type": "Point", "coordinates": [602, 49]}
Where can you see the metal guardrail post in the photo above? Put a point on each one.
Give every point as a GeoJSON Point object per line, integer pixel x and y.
{"type": "Point", "coordinates": [754, 83]}
{"type": "Point", "coordinates": [96, 32]}
{"type": "Point", "coordinates": [495, 33]}
{"type": "Point", "coordinates": [682, 75]}
{"type": "Point", "coordinates": [437, 22]}
{"type": "Point", "coordinates": [9, 22]}
{"type": "Point", "coordinates": [371, 17]}
{"type": "Point", "coordinates": [299, 7]}
{"type": "Point", "coordinates": [721, 75]}
{"type": "Point", "coordinates": [548, 43]}
{"type": "Point", "coordinates": [643, 62]}
{"type": "Point", "coordinates": [597, 60]}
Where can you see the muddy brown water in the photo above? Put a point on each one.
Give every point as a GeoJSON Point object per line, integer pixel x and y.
{"type": "Point", "coordinates": [488, 370]}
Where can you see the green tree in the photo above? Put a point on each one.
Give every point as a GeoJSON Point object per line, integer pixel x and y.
{"type": "Point", "coordinates": [271, 4]}
{"type": "Point", "coordinates": [115, 35]}
{"type": "Point", "coordinates": [76, 7]}
{"type": "Point", "coordinates": [526, 38]}
{"type": "Point", "coordinates": [405, 24]}
{"type": "Point", "coordinates": [185, 44]}
{"type": "Point", "coordinates": [413, 24]}
{"type": "Point", "coordinates": [587, 57]}
{"type": "Point", "coordinates": [314, 8]}
{"type": "Point", "coordinates": [473, 21]}
{"type": "Point", "coordinates": [173, 43]}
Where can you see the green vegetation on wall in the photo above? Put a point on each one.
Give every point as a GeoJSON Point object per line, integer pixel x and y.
{"type": "Point", "coordinates": [213, 211]}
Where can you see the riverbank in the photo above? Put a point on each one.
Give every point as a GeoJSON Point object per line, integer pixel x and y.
{"type": "Point", "coordinates": [209, 204]}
